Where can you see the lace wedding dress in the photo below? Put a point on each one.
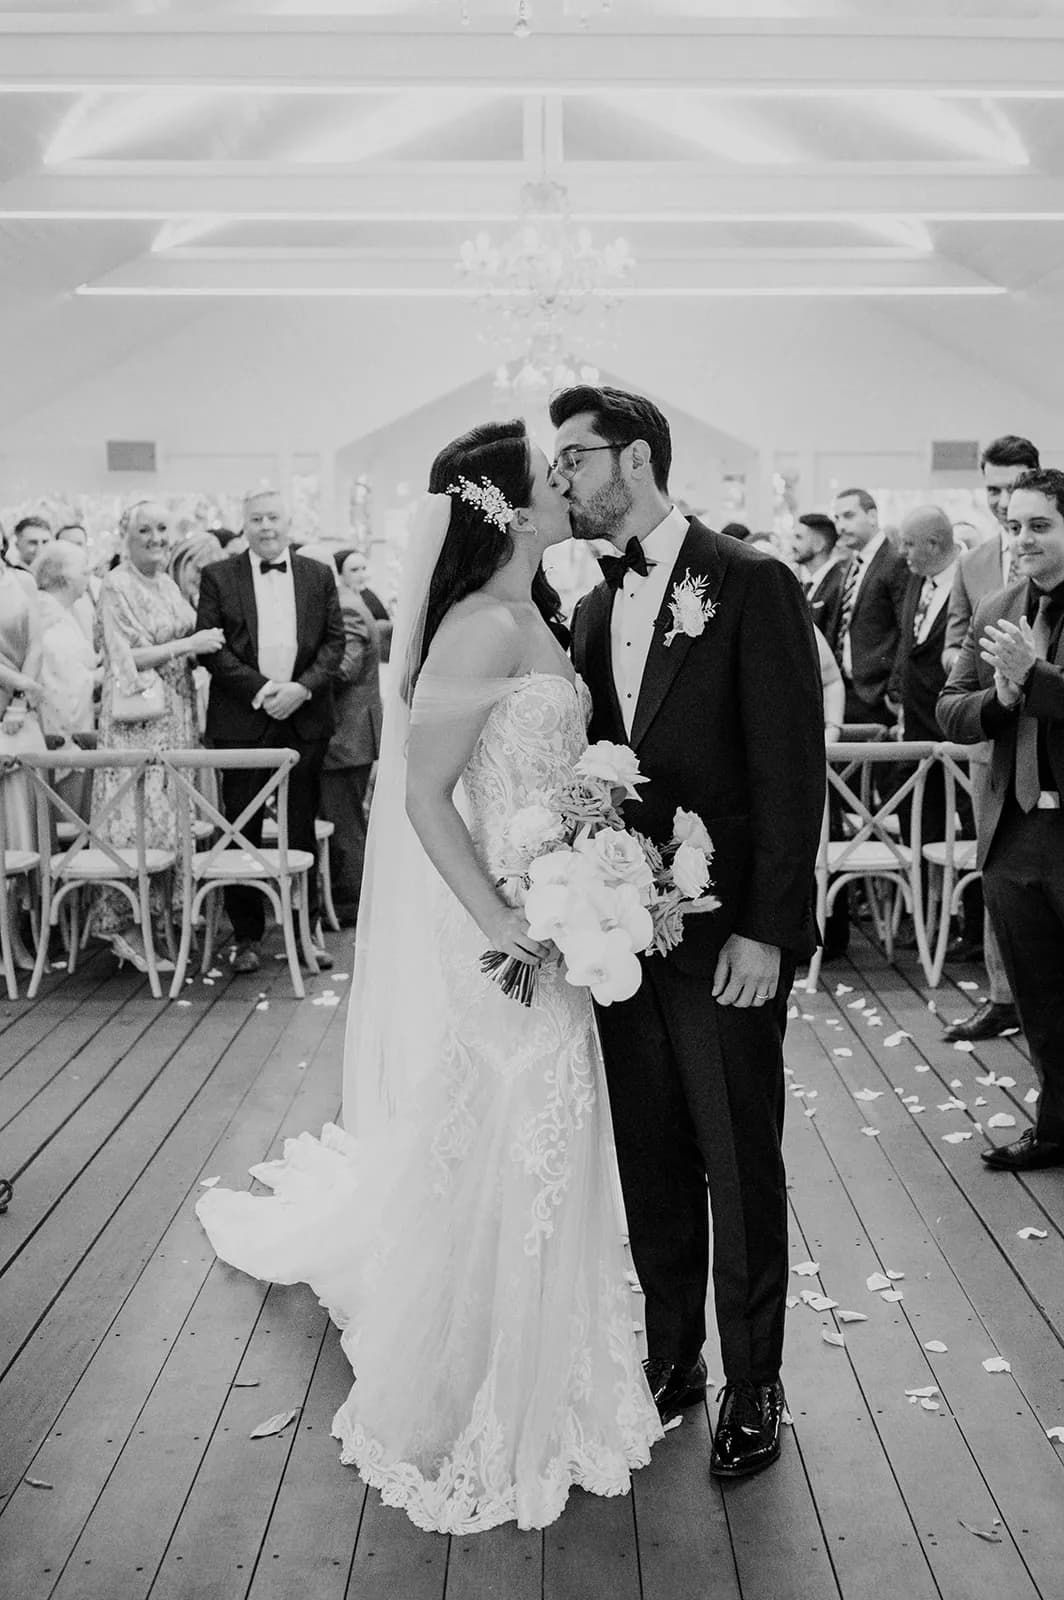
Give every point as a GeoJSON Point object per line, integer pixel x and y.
{"type": "Point", "coordinates": [475, 1261]}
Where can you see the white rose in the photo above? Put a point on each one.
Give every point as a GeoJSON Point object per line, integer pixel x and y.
{"type": "Point", "coordinates": [690, 873]}
{"type": "Point", "coordinates": [618, 857]}
{"type": "Point", "coordinates": [604, 963]}
{"type": "Point", "coordinates": [615, 764]}
{"type": "Point", "coordinates": [532, 827]}
{"type": "Point", "coordinates": [688, 828]}
{"type": "Point", "coordinates": [559, 866]}
{"type": "Point", "coordinates": [689, 613]}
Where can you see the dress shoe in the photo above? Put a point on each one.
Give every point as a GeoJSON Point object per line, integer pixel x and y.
{"type": "Point", "coordinates": [1025, 1154]}
{"type": "Point", "coordinates": [748, 1429]}
{"type": "Point", "coordinates": [321, 955]}
{"type": "Point", "coordinates": [966, 950]}
{"type": "Point", "coordinates": [673, 1387]}
{"type": "Point", "coordinates": [246, 958]}
{"type": "Point", "coordinates": [989, 1021]}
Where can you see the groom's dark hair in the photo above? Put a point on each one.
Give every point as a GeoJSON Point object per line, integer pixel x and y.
{"type": "Point", "coordinates": [619, 418]}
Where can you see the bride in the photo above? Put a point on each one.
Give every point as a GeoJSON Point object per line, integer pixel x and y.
{"type": "Point", "coordinates": [463, 1229]}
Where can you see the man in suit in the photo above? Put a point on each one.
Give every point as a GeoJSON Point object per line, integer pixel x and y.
{"type": "Point", "coordinates": [822, 572]}
{"type": "Point", "coordinates": [352, 751]}
{"type": "Point", "coordinates": [727, 721]}
{"type": "Point", "coordinates": [1007, 685]}
{"type": "Point", "coordinates": [271, 686]}
{"type": "Point", "coordinates": [984, 571]}
{"type": "Point", "coordinates": [870, 621]}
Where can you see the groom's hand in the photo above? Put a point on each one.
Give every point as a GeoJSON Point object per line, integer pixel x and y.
{"type": "Point", "coordinates": [748, 972]}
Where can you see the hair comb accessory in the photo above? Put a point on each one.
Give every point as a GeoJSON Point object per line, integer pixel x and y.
{"type": "Point", "coordinates": [488, 499]}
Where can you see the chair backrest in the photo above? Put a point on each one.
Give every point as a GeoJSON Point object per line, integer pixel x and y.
{"type": "Point", "coordinates": [849, 770]}
{"type": "Point", "coordinates": [88, 832]}
{"type": "Point", "coordinates": [193, 804]}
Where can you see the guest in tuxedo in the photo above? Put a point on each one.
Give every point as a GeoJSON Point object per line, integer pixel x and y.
{"type": "Point", "coordinates": [822, 570]}
{"type": "Point", "coordinates": [727, 722]}
{"type": "Point", "coordinates": [1007, 685]}
{"type": "Point", "coordinates": [987, 569]}
{"type": "Point", "coordinates": [353, 749]}
{"type": "Point", "coordinates": [870, 608]}
{"type": "Point", "coordinates": [271, 686]}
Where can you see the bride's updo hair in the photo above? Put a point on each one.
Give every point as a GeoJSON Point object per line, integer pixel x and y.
{"type": "Point", "coordinates": [475, 547]}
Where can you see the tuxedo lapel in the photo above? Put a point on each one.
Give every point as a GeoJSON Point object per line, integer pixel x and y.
{"type": "Point", "coordinates": [246, 589]}
{"type": "Point", "coordinates": [664, 661]}
{"type": "Point", "coordinates": [599, 659]}
{"type": "Point", "coordinates": [301, 589]}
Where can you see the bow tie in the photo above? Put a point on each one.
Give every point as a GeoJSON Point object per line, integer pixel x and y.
{"type": "Point", "coordinates": [633, 560]}
{"type": "Point", "coordinates": [273, 566]}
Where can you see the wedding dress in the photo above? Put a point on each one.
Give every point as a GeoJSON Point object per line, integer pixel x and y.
{"type": "Point", "coordinates": [474, 1256]}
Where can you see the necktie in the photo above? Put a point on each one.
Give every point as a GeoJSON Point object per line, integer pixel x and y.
{"type": "Point", "coordinates": [633, 560]}
{"type": "Point", "coordinates": [924, 605]}
{"type": "Point", "coordinates": [849, 596]}
{"type": "Point", "coordinates": [273, 566]}
{"type": "Point", "coordinates": [1028, 784]}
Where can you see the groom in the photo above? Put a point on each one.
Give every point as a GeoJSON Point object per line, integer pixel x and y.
{"type": "Point", "coordinates": [726, 719]}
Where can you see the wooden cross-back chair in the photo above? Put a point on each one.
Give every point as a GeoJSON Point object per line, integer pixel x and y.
{"type": "Point", "coordinates": [85, 857]}
{"type": "Point", "coordinates": [14, 865]}
{"type": "Point", "coordinates": [951, 860]}
{"type": "Point", "coordinates": [231, 860]}
{"type": "Point", "coordinates": [872, 850]}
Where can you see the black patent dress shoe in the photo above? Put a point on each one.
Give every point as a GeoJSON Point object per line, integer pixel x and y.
{"type": "Point", "coordinates": [1026, 1154]}
{"type": "Point", "coordinates": [246, 958]}
{"type": "Point", "coordinates": [962, 950]}
{"type": "Point", "coordinates": [747, 1438]}
{"type": "Point", "coordinates": [989, 1021]}
{"type": "Point", "coordinates": [674, 1388]}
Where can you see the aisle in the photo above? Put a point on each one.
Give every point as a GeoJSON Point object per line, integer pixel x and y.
{"type": "Point", "coordinates": [134, 1368]}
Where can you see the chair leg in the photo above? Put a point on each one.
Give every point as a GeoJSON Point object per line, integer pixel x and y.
{"type": "Point", "coordinates": [5, 944]}
{"type": "Point", "coordinates": [210, 931]}
{"type": "Point", "coordinates": [182, 953]}
{"type": "Point", "coordinates": [325, 878]}
{"type": "Point", "coordinates": [148, 937]}
{"type": "Point", "coordinates": [288, 928]}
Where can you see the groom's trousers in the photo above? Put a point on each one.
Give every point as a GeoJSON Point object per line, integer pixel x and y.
{"type": "Point", "coordinates": [697, 1096]}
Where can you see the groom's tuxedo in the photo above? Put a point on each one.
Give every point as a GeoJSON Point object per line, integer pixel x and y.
{"type": "Point", "coordinates": [729, 724]}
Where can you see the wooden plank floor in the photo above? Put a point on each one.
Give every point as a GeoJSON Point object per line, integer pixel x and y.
{"type": "Point", "coordinates": [134, 1367]}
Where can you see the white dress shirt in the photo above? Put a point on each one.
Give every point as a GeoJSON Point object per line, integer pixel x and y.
{"type": "Point", "coordinates": [818, 577]}
{"type": "Point", "coordinates": [1007, 561]}
{"type": "Point", "coordinates": [941, 583]}
{"type": "Point", "coordinates": [275, 602]}
{"type": "Point", "coordinates": [636, 605]}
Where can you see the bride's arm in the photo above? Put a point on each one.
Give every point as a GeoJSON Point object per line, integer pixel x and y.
{"type": "Point", "coordinates": [480, 646]}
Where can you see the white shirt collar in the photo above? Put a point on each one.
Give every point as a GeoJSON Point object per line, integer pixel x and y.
{"type": "Point", "coordinates": [871, 549]}
{"type": "Point", "coordinates": [944, 579]}
{"type": "Point", "coordinates": [664, 542]}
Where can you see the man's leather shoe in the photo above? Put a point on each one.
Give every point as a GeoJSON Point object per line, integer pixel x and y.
{"type": "Point", "coordinates": [965, 950]}
{"type": "Point", "coordinates": [246, 958]}
{"type": "Point", "coordinates": [674, 1387]}
{"type": "Point", "coordinates": [748, 1429]}
{"type": "Point", "coordinates": [1025, 1154]}
{"type": "Point", "coordinates": [989, 1021]}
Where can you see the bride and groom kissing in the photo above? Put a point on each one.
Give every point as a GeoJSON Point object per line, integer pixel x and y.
{"type": "Point", "coordinates": [462, 1226]}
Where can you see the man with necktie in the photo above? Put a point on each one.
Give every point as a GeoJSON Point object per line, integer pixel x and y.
{"type": "Point", "coordinates": [271, 686]}
{"type": "Point", "coordinates": [1007, 685]}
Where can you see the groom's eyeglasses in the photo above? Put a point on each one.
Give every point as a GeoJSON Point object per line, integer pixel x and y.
{"type": "Point", "coordinates": [568, 460]}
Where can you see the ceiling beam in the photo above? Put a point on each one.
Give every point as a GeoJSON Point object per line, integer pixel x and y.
{"type": "Point", "coordinates": [334, 54]}
{"type": "Point", "coordinates": [379, 276]}
{"type": "Point", "coordinates": [490, 191]}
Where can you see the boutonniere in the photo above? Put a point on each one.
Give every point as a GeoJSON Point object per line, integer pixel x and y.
{"type": "Point", "coordinates": [690, 608]}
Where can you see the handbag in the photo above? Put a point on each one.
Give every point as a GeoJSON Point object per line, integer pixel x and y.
{"type": "Point", "coordinates": [143, 705]}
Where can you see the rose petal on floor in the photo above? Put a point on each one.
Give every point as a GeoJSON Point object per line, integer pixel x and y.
{"type": "Point", "coordinates": [996, 1364]}
{"type": "Point", "coordinates": [807, 1269]}
{"type": "Point", "coordinates": [1032, 1233]}
{"type": "Point", "coordinates": [981, 1533]}
{"type": "Point", "coordinates": [876, 1281]}
{"type": "Point", "coordinates": [936, 1347]}
{"type": "Point", "coordinates": [275, 1424]}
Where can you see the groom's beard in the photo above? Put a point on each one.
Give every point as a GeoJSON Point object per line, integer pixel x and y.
{"type": "Point", "coordinates": [604, 514]}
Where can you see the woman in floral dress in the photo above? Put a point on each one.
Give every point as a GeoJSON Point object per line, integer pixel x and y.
{"type": "Point", "coordinates": [145, 630]}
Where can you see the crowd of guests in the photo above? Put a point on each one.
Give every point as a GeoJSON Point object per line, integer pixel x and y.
{"type": "Point", "coordinates": [213, 637]}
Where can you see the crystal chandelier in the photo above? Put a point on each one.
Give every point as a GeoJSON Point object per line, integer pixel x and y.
{"type": "Point", "coordinates": [548, 280]}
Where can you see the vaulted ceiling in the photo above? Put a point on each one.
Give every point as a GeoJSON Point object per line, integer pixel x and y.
{"type": "Point", "coordinates": [164, 156]}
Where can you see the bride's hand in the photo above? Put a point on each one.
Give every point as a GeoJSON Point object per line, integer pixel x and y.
{"type": "Point", "coordinates": [508, 932]}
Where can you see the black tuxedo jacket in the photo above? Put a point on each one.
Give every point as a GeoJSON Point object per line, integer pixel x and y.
{"type": "Point", "coordinates": [227, 601]}
{"type": "Point", "coordinates": [969, 710]}
{"type": "Point", "coordinates": [825, 604]}
{"type": "Point", "coordinates": [875, 627]}
{"type": "Point", "coordinates": [919, 676]}
{"type": "Point", "coordinates": [729, 725]}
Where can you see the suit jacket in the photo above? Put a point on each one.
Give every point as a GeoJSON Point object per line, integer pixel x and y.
{"type": "Point", "coordinates": [875, 627]}
{"type": "Point", "coordinates": [969, 710]}
{"type": "Point", "coordinates": [919, 676]}
{"type": "Point", "coordinates": [978, 575]}
{"type": "Point", "coordinates": [356, 690]}
{"type": "Point", "coordinates": [825, 605]}
{"type": "Point", "coordinates": [227, 601]}
{"type": "Point", "coordinates": [729, 725]}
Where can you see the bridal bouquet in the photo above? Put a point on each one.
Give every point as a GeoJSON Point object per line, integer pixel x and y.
{"type": "Point", "coordinates": [600, 891]}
